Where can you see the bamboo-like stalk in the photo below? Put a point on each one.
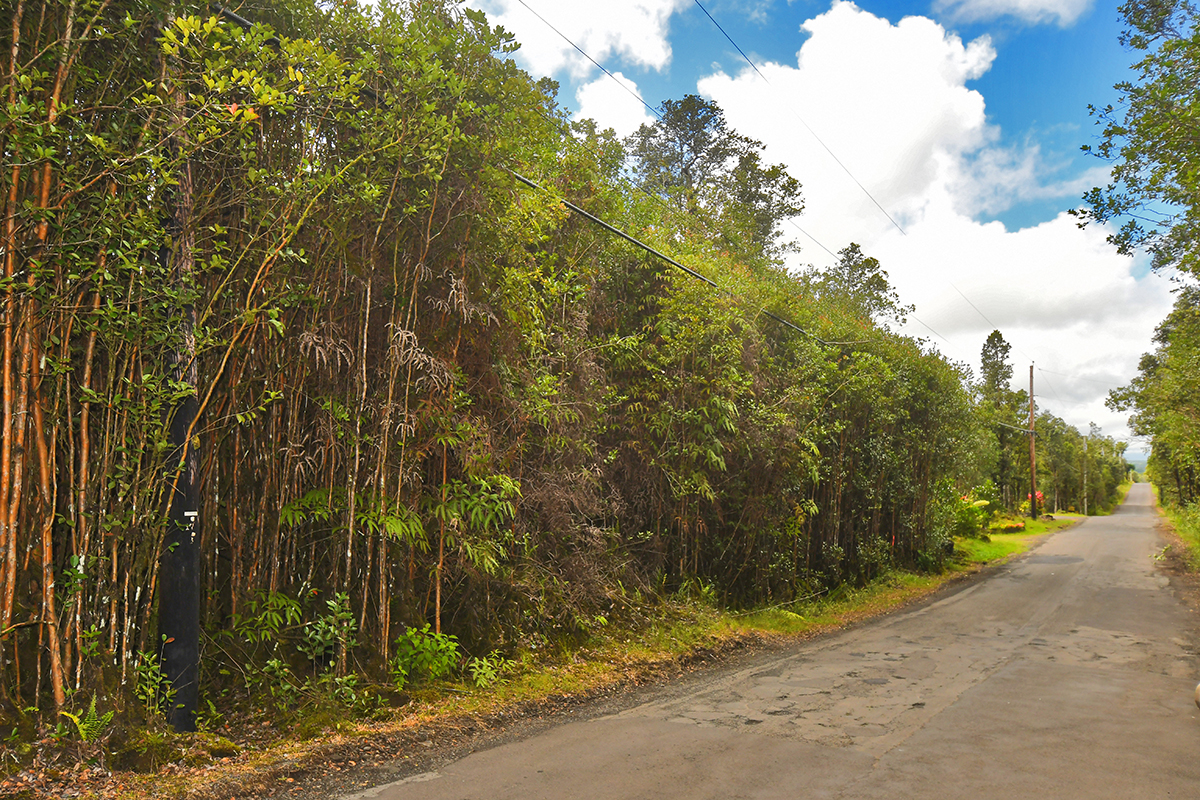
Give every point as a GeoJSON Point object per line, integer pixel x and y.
{"type": "Point", "coordinates": [8, 534]}
{"type": "Point", "coordinates": [352, 493]}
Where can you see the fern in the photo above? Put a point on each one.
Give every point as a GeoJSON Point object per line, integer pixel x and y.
{"type": "Point", "coordinates": [92, 725]}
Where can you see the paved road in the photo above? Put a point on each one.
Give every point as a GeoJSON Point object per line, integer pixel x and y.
{"type": "Point", "coordinates": [1067, 674]}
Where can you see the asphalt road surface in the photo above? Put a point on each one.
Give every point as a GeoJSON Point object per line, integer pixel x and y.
{"type": "Point", "coordinates": [1068, 673]}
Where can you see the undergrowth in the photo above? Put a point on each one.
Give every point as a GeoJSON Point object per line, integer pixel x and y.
{"type": "Point", "coordinates": [1186, 521]}
{"type": "Point", "coordinates": [440, 685]}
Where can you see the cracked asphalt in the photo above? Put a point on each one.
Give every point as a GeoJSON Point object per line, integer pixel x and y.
{"type": "Point", "coordinates": [1067, 673]}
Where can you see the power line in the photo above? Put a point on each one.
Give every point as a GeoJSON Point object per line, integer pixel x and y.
{"type": "Point", "coordinates": [833, 155]}
{"type": "Point", "coordinates": [1014, 427]}
{"type": "Point", "coordinates": [1081, 378]}
{"type": "Point", "coordinates": [801, 119]}
{"type": "Point", "coordinates": [596, 63]}
{"type": "Point", "coordinates": [664, 257]}
{"type": "Point", "coordinates": [972, 305]}
{"type": "Point", "coordinates": [1051, 385]}
{"type": "Point", "coordinates": [796, 225]}
{"type": "Point", "coordinates": [655, 197]}
{"type": "Point", "coordinates": [931, 330]}
{"type": "Point", "coordinates": [656, 113]}
{"type": "Point", "coordinates": [790, 221]}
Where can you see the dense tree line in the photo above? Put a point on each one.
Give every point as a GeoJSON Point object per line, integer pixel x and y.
{"type": "Point", "coordinates": [290, 266]}
{"type": "Point", "coordinates": [1075, 471]}
{"type": "Point", "coordinates": [1149, 139]}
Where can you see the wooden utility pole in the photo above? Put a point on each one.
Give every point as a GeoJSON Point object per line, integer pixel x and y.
{"type": "Point", "coordinates": [1033, 509]}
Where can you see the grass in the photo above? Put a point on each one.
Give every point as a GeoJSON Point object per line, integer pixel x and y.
{"type": "Point", "coordinates": [846, 605]}
{"type": "Point", "coordinates": [998, 545]}
{"type": "Point", "coordinates": [1002, 545]}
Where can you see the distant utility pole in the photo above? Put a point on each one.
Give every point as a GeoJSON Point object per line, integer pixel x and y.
{"type": "Point", "coordinates": [1033, 510]}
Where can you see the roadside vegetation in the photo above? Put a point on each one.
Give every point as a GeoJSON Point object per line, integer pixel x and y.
{"type": "Point", "coordinates": [1185, 520]}
{"type": "Point", "coordinates": [1152, 205]}
{"type": "Point", "coordinates": [677, 633]}
{"type": "Point", "coordinates": [289, 347]}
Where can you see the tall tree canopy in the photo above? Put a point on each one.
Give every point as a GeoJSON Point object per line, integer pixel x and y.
{"type": "Point", "coordinates": [1150, 139]}
{"type": "Point", "coordinates": [859, 284]}
{"type": "Point", "coordinates": [419, 398]}
{"type": "Point", "coordinates": [692, 157]}
{"type": "Point", "coordinates": [996, 371]}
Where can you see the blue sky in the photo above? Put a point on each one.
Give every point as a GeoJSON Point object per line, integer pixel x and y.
{"type": "Point", "coordinates": [963, 118]}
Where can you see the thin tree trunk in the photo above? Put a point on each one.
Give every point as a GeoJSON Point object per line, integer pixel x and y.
{"type": "Point", "coordinates": [8, 534]}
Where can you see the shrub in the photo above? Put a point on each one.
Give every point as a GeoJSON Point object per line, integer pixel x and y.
{"type": "Point", "coordinates": [422, 655]}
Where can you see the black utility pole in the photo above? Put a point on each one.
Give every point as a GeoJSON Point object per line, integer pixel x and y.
{"type": "Point", "coordinates": [179, 567]}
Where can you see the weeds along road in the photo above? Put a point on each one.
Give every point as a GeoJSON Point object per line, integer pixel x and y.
{"type": "Point", "coordinates": [1068, 673]}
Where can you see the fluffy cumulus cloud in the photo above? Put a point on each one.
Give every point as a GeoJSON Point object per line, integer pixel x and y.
{"type": "Point", "coordinates": [892, 103]}
{"type": "Point", "coordinates": [616, 106]}
{"type": "Point", "coordinates": [634, 31]}
{"type": "Point", "coordinates": [1062, 12]}
{"type": "Point", "coordinates": [889, 101]}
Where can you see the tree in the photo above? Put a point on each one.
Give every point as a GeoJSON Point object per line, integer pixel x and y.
{"type": "Point", "coordinates": [693, 158]}
{"type": "Point", "coordinates": [1163, 400]}
{"type": "Point", "coordinates": [997, 372]}
{"type": "Point", "coordinates": [859, 284]}
{"type": "Point", "coordinates": [1003, 408]}
{"type": "Point", "coordinates": [1149, 138]}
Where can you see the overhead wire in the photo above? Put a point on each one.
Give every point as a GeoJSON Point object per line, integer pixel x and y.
{"type": "Point", "coordinates": [274, 41]}
{"type": "Point", "coordinates": [833, 155]}
{"type": "Point", "coordinates": [814, 134]}
{"type": "Point", "coordinates": [668, 259]}
{"type": "Point", "coordinates": [654, 110]}
{"type": "Point", "coordinates": [247, 24]}
{"type": "Point", "coordinates": [931, 330]}
{"type": "Point", "coordinates": [656, 197]}
{"type": "Point", "coordinates": [596, 63]}
{"type": "Point", "coordinates": [807, 127]}
{"type": "Point", "coordinates": [1051, 385]}
{"type": "Point", "coordinates": [1014, 427]}
{"type": "Point", "coordinates": [1080, 378]}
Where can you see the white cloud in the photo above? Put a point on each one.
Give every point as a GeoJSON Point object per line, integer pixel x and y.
{"type": "Point", "coordinates": [1064, 12]}
{"type": "Point", "coordinates": [634, 31]}
{"type": "Point", "coordinates": [612, 106]}
{"type": "Point", "coordinates": [994, 179]}
{"type": "Point", "coordinates": [892, 102]}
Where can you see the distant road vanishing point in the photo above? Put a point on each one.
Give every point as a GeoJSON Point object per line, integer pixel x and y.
{"type": "Point", "coordinates": [1069, 673]}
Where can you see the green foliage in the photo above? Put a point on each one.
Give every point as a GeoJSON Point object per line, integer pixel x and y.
{"type": "Point", "coordinates": [90, 726]}
{"type": "Point", "coordinates": [422, 655]}
{"type": "Point", "coordinates": [859, 285]}
{"type": "Point", "coordinates": [1147, 140]}
{"type": "Point", "coordinates": [151, 686]}
{"type": "Point", "coordinates": [692, 156]}
{"type": "Point", "coordinates": [426, 389]}
{"type": "Point", "coordinates": [267, 617]}
{"type": "Point", "coordinates": [971, 514]}
{"type": "Point", "coordinates": [334, 630]}
{"type": "Point", "coordinates": [1163, 399]}
{"type": "Point", "coordinates": [1186, 521]}
{"type": "Point", "coordinates": [486, 671]}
